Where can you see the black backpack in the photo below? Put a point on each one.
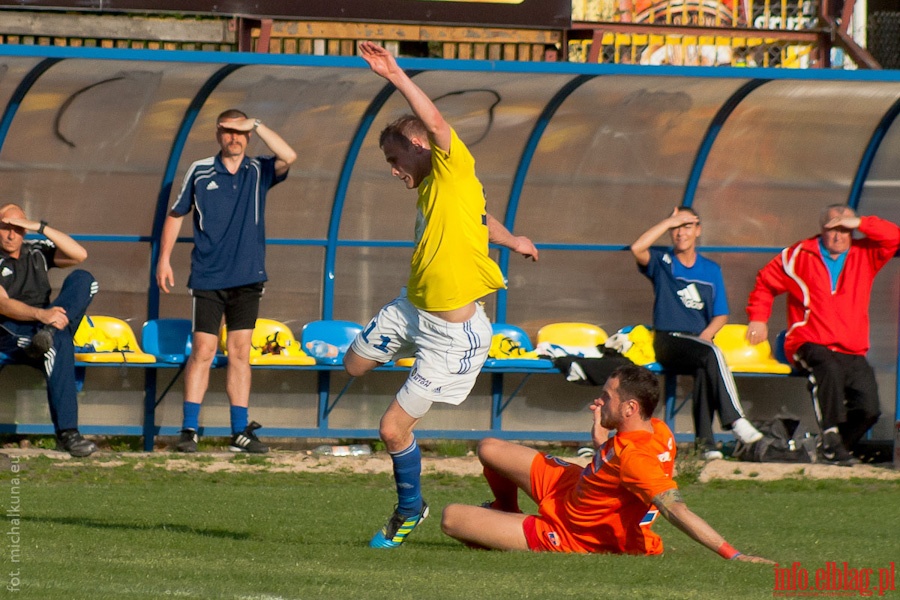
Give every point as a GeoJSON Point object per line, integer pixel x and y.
{"type": "Point", "coordinates": [784, 440]}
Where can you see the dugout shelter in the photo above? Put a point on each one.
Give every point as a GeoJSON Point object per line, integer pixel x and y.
{"type": "Point", "coordinates": [581, 158]}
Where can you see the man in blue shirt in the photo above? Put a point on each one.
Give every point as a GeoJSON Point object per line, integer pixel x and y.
{"type": "Point", "coordinates": [227, 193]}
{"type": "Point", "coordinates": [689, 308]}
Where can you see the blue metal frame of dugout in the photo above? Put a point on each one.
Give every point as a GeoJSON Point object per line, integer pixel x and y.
{"type": "Point", "coordinates": [580, 74]}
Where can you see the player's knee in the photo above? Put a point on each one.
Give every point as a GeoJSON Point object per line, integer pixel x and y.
{"type": "Point", "coordinates": [487, 446]}
{"type": "Point", "coordinates": [202, 354]}
{"type": "Point", "coordinates": [450, 519]}
{"type": "Point", "coordinates": [394, 438]}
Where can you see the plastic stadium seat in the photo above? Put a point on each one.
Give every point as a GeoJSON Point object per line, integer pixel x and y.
{"type": "Point", "coordinates": [778, 350]}
{"type": "Point", "coordinates": [572, 336]}
{"type": "Point", "coordinates": [742, 357]}
{"type": "Point", "coordinates": [101, 339]}
{"type": "Point", "coordinates": [169, 340]}
{"type": "Point", "coordinates": [336, 334]}
{"type": "Point", "coordinates": [518, 335]}
{"type": "Point", "coordinates": [273, 343]}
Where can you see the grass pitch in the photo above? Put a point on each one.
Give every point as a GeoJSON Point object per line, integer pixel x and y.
{"type": "Point", "coordinates": [85, 530]}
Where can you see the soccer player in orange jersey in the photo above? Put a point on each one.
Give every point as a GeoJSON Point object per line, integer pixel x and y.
{"type": "Point", "coordinates": [598, 508]}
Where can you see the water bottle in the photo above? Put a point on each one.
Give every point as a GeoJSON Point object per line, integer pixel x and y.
{"type": "Point", "coordinates": [351, 450]}
{"type": "Point", "coordinates": [320, 349]}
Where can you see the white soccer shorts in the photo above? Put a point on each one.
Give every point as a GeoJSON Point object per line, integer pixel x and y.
{"type": "Point", "coordinates": [449, 356]}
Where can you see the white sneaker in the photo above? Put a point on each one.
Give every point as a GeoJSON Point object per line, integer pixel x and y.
{"type": "Point", "coordinates": [745, 431]}
{"type": "Point", "coordinates": [713, 455]}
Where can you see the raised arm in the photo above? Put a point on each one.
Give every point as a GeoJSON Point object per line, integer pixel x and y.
{"type": "Point", "coordinates": [284, 154]}
{"type": "Point", "coordinates": [672, 507]}
{"type": "Point", "coordinates": [384, 64]}
{"type": "Point", "coordinates": [68, 252]}
{"type": "Point", "coordinates": [641, 246]}
{"type": "Point", "coordinates": [498, 234]}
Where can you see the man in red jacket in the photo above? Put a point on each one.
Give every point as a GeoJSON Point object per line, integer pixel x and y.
{"type": "Point", "coordinates": [828, 281]}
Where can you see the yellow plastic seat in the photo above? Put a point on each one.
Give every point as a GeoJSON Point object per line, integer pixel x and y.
{"type": "Point", "coordinates": [101, 339]}
{"type": "Point", "coordinates": [272, 343]}
{"type": "Point", "coordinates": [742, 357]}
{"type": "Point", "coordinates": [572, 335]}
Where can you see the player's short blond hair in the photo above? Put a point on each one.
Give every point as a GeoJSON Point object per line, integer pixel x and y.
{"type": "Point", "coordinates": [403, 130]}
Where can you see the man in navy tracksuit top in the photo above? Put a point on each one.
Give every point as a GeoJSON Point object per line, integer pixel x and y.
{"type": "Point", "coordinates": [227, 193]}
{"type": "Point", "coordinates": [690, 307]}
{"type": "Point", "coordinates": [36, 331]}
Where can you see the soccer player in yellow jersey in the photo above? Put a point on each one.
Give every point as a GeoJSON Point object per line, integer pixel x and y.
{"type": "Point", "coordinates": [438, 320]}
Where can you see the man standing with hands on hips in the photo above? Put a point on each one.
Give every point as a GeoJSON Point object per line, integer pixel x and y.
{"type": "Point", "coordinates": [227, 193]}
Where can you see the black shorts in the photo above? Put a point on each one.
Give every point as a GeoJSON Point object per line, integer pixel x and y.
{"type": "Point", "coordinates": [240, 305]}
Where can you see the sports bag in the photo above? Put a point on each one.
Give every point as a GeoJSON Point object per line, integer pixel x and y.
{"type": "Point", "coordinates": [784, 440]}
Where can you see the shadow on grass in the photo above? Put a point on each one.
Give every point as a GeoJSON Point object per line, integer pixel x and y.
{"type": "Point", "coordinates": [96, 524]}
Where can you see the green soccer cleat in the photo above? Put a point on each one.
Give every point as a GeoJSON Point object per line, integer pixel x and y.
{"type": "Point", "coordinates": [397, 529]}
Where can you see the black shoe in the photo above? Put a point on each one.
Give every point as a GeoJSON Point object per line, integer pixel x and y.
{"type": "Point", "coordinates": [72, 442]}
{"type": "Point", "coordinates": [832, 451]}
{"type": "Point", "coordinates": [246, 441]}
{"type": "Point", "coordinates": [41, 342]}
{"type": "Point", "coordinates": [187, 442]}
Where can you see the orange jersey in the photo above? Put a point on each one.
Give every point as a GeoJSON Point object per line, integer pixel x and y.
{"type": "Point", "coordinates": [599, 508]}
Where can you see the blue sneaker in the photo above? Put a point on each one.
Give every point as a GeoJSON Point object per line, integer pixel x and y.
{"type": "Point", "coordinates": [398, 527]}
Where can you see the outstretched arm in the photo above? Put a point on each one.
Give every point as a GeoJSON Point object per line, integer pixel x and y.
{"type": "Point", "coordinates": [641, 246]}
{"type": "Point", "coordinates": [673, 508]}
{"type": "Point", "coordinates": [498, 234]}
{"type": "Point", "coordinates": [383, 63]}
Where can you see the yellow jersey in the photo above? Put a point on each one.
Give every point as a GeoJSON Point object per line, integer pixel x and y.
{"type": "Point", "coordinates": [450, 263]}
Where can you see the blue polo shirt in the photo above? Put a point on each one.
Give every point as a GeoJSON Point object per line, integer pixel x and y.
{"type": "Point", "coordinates": [687, 298]}
{"type": "Point", "coordinates": [229, 220]}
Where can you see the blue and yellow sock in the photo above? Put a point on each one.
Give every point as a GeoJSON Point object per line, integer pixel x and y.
{"type": "Point", "coordinates": [407, 475]}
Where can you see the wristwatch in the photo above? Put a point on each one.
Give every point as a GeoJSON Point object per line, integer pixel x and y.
{"type": "Point", "coordinates": [40, 229]}
{"type": "Point", "coordinates": [256, 123]}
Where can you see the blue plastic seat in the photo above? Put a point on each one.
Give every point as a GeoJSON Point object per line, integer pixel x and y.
{"type": "Point", "coordinates": [518, 335]}
{"type": "Point", "coordinates": [339, 334]}
{"type": "Point", "coordinates": [169, 340]}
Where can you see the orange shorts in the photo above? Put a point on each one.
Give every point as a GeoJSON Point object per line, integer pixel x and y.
{"type": "Point", "coordinates": [550, 478]}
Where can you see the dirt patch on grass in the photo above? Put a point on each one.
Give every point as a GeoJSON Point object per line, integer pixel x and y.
{"type": "Point", "coordinates": [306, 462]}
